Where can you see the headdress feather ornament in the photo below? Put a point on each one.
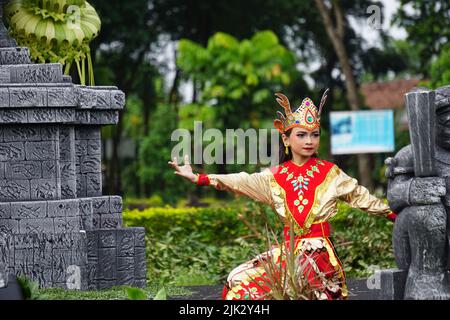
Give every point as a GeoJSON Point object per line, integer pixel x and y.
{"type": "Point", "coordinates": [307, 115]}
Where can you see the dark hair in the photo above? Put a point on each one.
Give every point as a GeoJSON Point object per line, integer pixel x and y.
{"type": "Point", "coordinates": [283, 157]}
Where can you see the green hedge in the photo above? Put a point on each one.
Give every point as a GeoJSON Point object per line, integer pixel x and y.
{"type": "Point", "coordinates": [189, 246]}
{"type": "Point", "coordinates": [362, 241]}
{"type": "Point", "coordinates": [214, 225]}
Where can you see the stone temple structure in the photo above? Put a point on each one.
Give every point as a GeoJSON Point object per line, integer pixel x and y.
{"type": "Point", "coordinates": [56, 227]}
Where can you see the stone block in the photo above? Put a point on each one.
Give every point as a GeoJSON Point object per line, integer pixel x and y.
{"type": "Point", "coordinates": [63, 208]}
{"type": "Point", "coordinates": [43, 269]}
{"type": "Point", "coordinates": [13, 55]}
{"type": "Point", "coordinates": [104, 117]}
{"type": "Point", "coordinates": [61, 97]}
{"type": "Point", "coordinates": [139, 236]}
{"type": "Point", "coordinates": [21, 133]}
{"type": "Point", "coordinates": [28, 209]}
{"type": "Point", "coordinates": [87, 98]}
{"type": "Point", "coordinates": [92, 243]}
{"type": "Point", "coordinates": [103, 100]}
{"type": "Point", "coordinates": [2, 170]}
{"type": "Point", "coordinates": [23, 261]}
{"type": "Point", "coordinates": [117, 99]}
{"type": "Point", "coordinates": [23, 170]}
{"type": "Point", "coordinates": [85, 205]}
{"type": "Point", "coordinates": [115, 204]}
{"type": "Point", "coordinates": [107, 264]}
{"type": "Point", "coordinates": [140, 265]}
{"type": "Point", "coordinates": [90, 164]}
{"type": "Point", "coordinates": [125, 278]}
{"type": "Point", "coordinates": [5, 210]}
{"type": "Point", "coordinates": [5, 74]}
{"type": "Point", "coordinates": [100, 205]}
{"type": "Point", "coordinates": [106, 284]}
{"type": "Point", "coordinates": [107, 239]}
{"type": "Point", "coordinates": [36, 225]}
{"type": "Point", "coordinates": [37, 73]}
{"type": "Point", "coordinates": [87, 222]}
{"type": "Point", "coordinates": [41, 115]}
{"type": "Point", "coordinates": [14, 190]}
{"type": "Point", "coordinates": [50, 132]}
{"type": "Point", "coordinates": [125, 264]}
{"type": "Point", "coordinates": [63, 240]}
{"type": "Point", "coordinates": [68, 189]}
{"type": "Point", "coordinates": [87, 132]}
{"type": "Point", "coordinates": [67, 224]}
{"type": "Point", "coordinates": [44, 189]}
{"type": "Point", "coordinates": [65, 115]}
{"type": "Point", "coordinates": [80, 148]}
{"type": "Point", "coordinates": [4, 98]}
{"type": "Point", "coordinates": [96, 221]}
{"type": "Point", "coordinates": [20, 97]}
{"type": "Point", "coordinates": [81, 186]}
{"type": "Point", "coordinates": [93, 184]}
{"type": "Point", "coordinates": [27, 241]}
{"type": "Point", "coordinates": [110, 220]}
{"type": "Point", "coordinates": [51, 169]}
{"type": "Point", "coordinates": [67, 144]}
{"type": "Point", "coordinates": [13, 116]}
{"type": "Point", "coordinates": [82, 116]}
{"type": "Point", "coordinates": [9, 226]}
{"type": "Point", "coordinates": [44, 150]}
{"type": "Point", "coordinates": [61, 261]}
{"type": "Point", "coordinates": [94, 148]}
{"type": "Point", "coordinates": [12, 151]}
{"type": "Point", "coordinates": [125, 242]}
{"type": "Point", "coordinates": [140, 283]}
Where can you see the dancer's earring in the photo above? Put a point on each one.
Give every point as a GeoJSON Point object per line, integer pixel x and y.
{"type": "Point", "coordinates": [286, 150]}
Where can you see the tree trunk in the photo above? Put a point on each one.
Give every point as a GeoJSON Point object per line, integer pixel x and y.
{"type": "Point", "coordinates": [336, 35]}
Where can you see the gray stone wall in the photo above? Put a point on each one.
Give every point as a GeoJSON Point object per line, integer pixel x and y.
{"type": "Point", "coordinates": [57, 227]}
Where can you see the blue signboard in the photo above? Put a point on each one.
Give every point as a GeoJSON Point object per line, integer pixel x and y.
{"type": "Point", "coordinates": [369, 131]}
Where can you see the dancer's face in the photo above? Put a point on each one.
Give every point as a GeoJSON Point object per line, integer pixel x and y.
{"type": "Point", "coordinates": [303, 142]}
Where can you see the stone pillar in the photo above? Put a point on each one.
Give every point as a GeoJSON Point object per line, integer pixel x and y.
{"type": "Point", "coordinates": [63, 231]}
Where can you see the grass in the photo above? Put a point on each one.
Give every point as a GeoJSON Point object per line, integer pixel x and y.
{"type": "Point", "coordinates": [115, 293]}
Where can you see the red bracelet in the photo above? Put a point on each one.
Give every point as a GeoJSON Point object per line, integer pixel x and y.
{"type": "Point", "coordinates": [203, 179]}
{"type": "Point", "coordinates": [392, 216]}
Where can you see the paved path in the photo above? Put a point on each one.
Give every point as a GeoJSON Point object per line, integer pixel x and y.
{"type": "Point", "coordinates": [357, 291]}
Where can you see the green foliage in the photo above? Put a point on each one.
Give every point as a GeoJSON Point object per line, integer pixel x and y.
{"type": "Point", "coordinates": [30, 289]}
{"type": "Point", "coordinates": [210, 225]}
{"type": "Point", "coordinates": [362, 240]}
{"type": "Point", "coordinates": [154, 153]}
{"type": "Point", "coordinates": [200, 246]}
{"type": "Point", "coordinates": [161, 295]}
{"type": "Point", "coordinates": [238, 77]}
{"type": "Point", "coordinates": [136, 293]}
{"type": "Point", "coordinates": [440, 69]}
{"type": "Point", "coordinates": [427, 25]}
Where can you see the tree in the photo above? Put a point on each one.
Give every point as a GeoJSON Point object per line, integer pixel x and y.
{"type": "Point", "coordinates": [120, 52]}
{"type": "Point", "coordinates": [238, 78]}
{"type": "Point", "coordinates": [335, 32]}
{"type": "Point", "coordinates": [427, 25]}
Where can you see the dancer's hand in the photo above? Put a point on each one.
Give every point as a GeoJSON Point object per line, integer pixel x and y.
{"type": "Point", "coordinates": [184, 171]}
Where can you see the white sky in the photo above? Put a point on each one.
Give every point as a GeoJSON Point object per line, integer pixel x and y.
{"type": "Point", "coordinates": [363, 28]}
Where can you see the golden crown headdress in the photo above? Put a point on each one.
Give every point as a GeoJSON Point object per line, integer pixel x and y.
{"type": "Point", "coordinates": [306, 116]}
